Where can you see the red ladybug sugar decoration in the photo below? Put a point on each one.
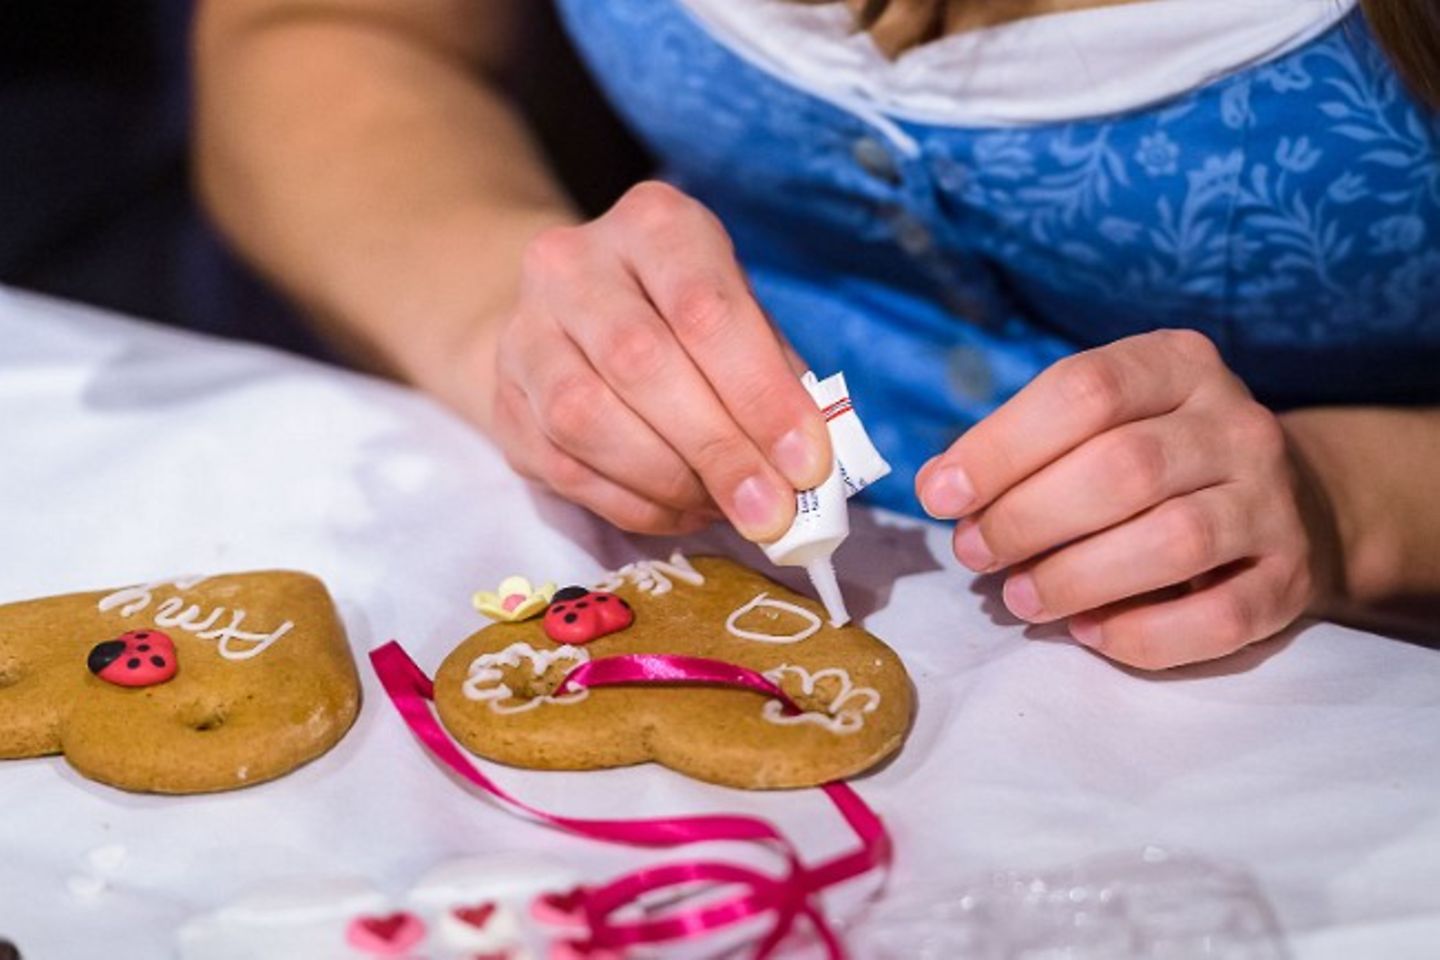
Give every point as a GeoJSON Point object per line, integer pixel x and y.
{"type": "Point", "coordinates": [140, 658]}
{"type": "Point", "coordinates": [577, 615]}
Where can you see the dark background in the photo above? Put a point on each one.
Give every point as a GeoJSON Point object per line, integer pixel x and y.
{"type": "Point", "coordinates": [95, 198]}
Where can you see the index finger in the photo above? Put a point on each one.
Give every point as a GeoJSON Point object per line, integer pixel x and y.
{"type": "Point", "coordinates": [1073, 400]}
{"type": "Point", "coordinates": [683, 260]}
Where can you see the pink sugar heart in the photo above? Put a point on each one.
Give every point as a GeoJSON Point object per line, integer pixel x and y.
{"type": "Point", "coordinates": [560, 909]}
{"type": "Point", "coordinates": [385, 936]}
{"type": "Point", "coordinates": [578, 950]}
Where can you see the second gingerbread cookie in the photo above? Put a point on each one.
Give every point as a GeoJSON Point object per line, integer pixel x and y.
{"type": "Point", "coordinates": [497, 692]}
{"type": "Point", "coordinates": [190, 686]}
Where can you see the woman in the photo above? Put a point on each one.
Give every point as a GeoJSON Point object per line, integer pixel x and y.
{"type": "Point", "coordinates": [1166, 268]}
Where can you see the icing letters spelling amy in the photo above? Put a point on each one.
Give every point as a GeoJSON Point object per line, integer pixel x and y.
{"type": "Point", "coordinates": [232, 642]}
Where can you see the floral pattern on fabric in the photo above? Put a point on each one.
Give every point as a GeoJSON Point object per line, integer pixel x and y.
{"type": "Point", "coordinates": [1291, 211]}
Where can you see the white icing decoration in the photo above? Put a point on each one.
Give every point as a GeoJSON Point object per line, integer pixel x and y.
{"type": "Point", "coordinates": [654, 576]}
{"type": "Point", "coordinates": [837, 716]}
{"type": "Point", "coordinates": [137, 598]}
{"type": "Point", "coordinates": [232, 642]}
{"type": "Point", "coordinates": [174, 613]}
{"type": "Point", "coordinates": [483, 682]}
{"type": "Point", "coordinates": [765, 600]}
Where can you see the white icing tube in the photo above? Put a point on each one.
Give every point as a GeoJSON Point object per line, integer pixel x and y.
{"type": "Point", "coordinates": [822, 518]}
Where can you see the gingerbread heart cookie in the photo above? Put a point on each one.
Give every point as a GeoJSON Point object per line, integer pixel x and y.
{"type": "Point", "coordinates": [498, 691]}
{"type": "Point", "coordinates": [186, 686]}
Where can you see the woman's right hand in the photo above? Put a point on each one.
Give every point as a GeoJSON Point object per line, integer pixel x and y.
{"type": "Point", "coordinates": [637, 376]}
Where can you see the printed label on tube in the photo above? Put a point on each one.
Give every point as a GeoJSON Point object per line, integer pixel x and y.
{"type": "Point", "coordinates": [822, 518]}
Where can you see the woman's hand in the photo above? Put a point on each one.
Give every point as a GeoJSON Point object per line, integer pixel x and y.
{"type": "Point", "coordinates": [638, 377]}
{"type": "Point", "coordinates": [365, 154]}
{"type": "Point", "coordinates": [1139, 492]}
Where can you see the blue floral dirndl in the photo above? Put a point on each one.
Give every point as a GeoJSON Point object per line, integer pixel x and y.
{"type": "Point", "coordinates": [1290, 211]}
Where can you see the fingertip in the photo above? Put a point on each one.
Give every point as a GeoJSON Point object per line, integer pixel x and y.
{"type": "Point", "coordinates": [1121, 643]}
{"type": "Point", "coordinates": [924, 472]}
{"type": "Point", "coordinates": [946, 492]}
{"type": "Point", "coordinates": [803, 457]}
{"type": "Point", "coordinates": [1086, 630]}
{"type": "Point", "coordinates": [1022, 598]}
{"type": "Point", "coordinates": [760, 509]}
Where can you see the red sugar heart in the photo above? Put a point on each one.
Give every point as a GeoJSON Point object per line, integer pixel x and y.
{"type": "Point", "coordinates": [559, 909]}
{"type": "Point", "coordinates": [568, 902]}
{"type": "Point", "coordinates": [476, 916]}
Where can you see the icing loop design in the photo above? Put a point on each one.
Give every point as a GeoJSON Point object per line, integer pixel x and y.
{"type": "Point", "coordinates": [812, 622]}
{"type": "Point", "coordinates": [232, 643]}
{"type": "Point", "coordinates": [654, 577]}
{"type": "Point", "coordinates": [486, 676]}
{"type": "Point", "coordinates": [845, 713]}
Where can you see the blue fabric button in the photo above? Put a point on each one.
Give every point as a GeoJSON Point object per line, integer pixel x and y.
{"type": "Point", "coordinates": [875, 160]}
{"type": "Point", "coordinates": [913, 236]}
{"type": "Point", "coordinates": [969, 374]}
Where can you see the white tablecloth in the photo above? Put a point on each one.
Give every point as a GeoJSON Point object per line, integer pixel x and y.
{"type": "Point", "coordinates": [131, 452]}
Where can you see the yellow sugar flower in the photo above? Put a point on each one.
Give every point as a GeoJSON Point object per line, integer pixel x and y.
{"type": "Point", "coordinates": [514, 600]}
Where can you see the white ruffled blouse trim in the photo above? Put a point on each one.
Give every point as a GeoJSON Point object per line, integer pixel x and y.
{"type": "Point", "coordinates": [1053, 68]}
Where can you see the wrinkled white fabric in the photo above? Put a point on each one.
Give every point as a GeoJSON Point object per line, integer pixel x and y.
{"type": "Point", "coordinates": [132, 452]}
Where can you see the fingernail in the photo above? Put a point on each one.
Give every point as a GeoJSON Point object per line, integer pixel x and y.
{"type": "Point", "coordinates": [1022, 598]}
{"type": "Point", "coordinates": [757, 504]}
{"type": "Point", "coordinates": [971, 549]}
{"type": "Point", "coordinates": [796, 456]}
{"type": "Point", "coordinates": [1085, 631]}
{"type": "Point", "coordinates": [948, 493]}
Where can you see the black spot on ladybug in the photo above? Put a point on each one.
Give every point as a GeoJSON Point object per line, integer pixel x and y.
{"type": "Point", "coordinates": [582, 605]}
{"type": "Point", "coordinates": [143, 648]}
{"type": "Point", "coordinates": [602, 599]}
{"type": "Point", "coordinates": [569, 593]}
{"type": "Point", "coordinates": [158, 661]}
{"type": "Point", "coordinates": [559, 608]}
{"type": "Point", "coordinates": [571, 617]}
{"type": "Point", "coordinates": [133, 663]}
{"type": "Point", "coordinates": [104, 654]}
{"type": "Point", "coordinates": [143, 634]}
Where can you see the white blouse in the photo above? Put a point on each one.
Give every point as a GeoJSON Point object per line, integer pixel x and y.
{"type": "Point", "coordinates": [1051, 68]}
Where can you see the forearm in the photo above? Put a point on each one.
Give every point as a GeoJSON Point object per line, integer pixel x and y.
{"type": "Point", "coordinates": [1378, 469]}
{"type": "Point", "coordinates": [354, 152]}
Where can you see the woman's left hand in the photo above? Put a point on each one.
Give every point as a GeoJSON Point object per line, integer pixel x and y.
{"type": "Point", "coordinates": [1138, 491]}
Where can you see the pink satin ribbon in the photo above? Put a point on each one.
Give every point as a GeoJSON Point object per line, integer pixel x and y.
{"type": "Point", "coordinates": [787, 896]}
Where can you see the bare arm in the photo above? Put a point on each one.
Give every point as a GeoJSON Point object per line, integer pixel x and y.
{"type": "Point", "coordinates": [1379, 469]}
{"type": "Point", "coordinates": [356, 151]}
